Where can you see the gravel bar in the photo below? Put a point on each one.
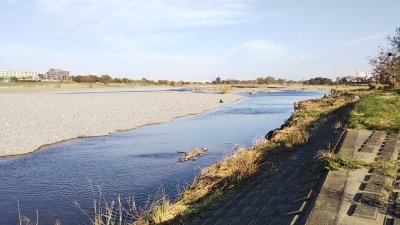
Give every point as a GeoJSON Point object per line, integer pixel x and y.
{"type": "Point", "coordinates": [29, 121]}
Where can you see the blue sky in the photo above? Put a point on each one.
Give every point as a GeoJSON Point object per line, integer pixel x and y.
{"type": "Point", "coordinates": [176, 39]}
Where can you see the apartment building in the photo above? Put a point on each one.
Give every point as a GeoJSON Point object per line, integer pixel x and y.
{"type": "Point", "coordinates": [6, 75]}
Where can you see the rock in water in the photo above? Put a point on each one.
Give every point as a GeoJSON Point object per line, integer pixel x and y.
{"type": "Point", "coordinates": [192, 155]}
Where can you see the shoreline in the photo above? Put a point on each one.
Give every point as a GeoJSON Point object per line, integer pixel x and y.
{"type": "Point", "coordinates": [217, 183]}
{"type": "Point", "coordinates": [207, 103]}
{"type": "Point", "coordinates": [42, 147]}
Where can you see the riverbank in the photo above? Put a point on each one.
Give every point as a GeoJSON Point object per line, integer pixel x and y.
{"type": "Point", "coordinates": [31, 120]}
{"type": "Point", "coordinates": [280, 179]}
{"type": "Point", "coordinates": [50, 87]}
{"type": "Point", "coordinates": [315, 125]}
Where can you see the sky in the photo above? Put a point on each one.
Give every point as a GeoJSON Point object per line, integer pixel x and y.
{"type": "Point", "coordinates": [185, 39]}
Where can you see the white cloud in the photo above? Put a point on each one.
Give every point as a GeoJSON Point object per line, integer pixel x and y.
{"type": "Point", "coordinates": [98, 15]}
{"type": "Point", "coordinates": [366, 38]}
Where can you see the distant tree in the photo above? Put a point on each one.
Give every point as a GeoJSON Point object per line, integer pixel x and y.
{"type": "Point", "coordinates": [266, 80]}
{"type": "Point", "coordinates": [231, 81]}
{"type": "Point", "coordinates": [386, 65]}
{"type": "Point", "coordinates": [318, 81]}
{"type": "Point", "coordinates": [117, 80]}
{"type": "Point", "coordinates": [218, 80]}
{"type": "Point", "coordinates": [260, 80]}
{"type": "Point", "coordinates": [125, 80]}
{"type": "Point", "coordinates": [269, 80]}
{"type": "Point", "coordinates": [105, 79]}
{"type": "Point", "coordinates": [92, 79]}
{"type": "Point", "coordinates": [41, 76]}
{"type": "Point", "coordinates": [78, 78]}
{"type": "Point", "coordinates": [13, 79]}
{"type": "Point", "coordinates": [281, 81]}
{"type": "Point", "coordinates": [163, 82]}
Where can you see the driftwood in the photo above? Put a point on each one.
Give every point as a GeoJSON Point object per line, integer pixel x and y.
{"type": "Point", "coordinates": [192, 155]}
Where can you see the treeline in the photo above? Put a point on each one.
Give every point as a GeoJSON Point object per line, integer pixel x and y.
{"type": "Point", "coordinates": [259, 80]}
{"type": "Point", "coordinates": [318, 81]}
{"type": "Point", "coordinates": [106, 79]}
{"type": "Point", "coordinates": [218, 80]}
{"type": "Point", "coordinates": [273, 80]}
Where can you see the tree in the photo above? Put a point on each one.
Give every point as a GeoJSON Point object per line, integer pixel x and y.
{"type": "Point", "coordinates": [13, 79]}
{"type": "Point", "coordinates": [386, 65]}
{"type": "Point", "coordinates": [105, 79]}
{"type": "Point", "coordinates": [266, 80]}
{"type": "Point", "coordinates": [218, 80]}
{"type": "Point", "coordinates": [117, 80]}
{"type": "Point", "coordinates": [125, 80]}
{"type": "Point", "coordinates": [269, 80]}
{"type": "Point", "coordinates": [318, 81]}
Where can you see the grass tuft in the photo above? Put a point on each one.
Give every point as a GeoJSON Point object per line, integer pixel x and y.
{"type": "Point", "coordinates": [226, 89]}
{"type": "Point", "coordinates": [338, 161]}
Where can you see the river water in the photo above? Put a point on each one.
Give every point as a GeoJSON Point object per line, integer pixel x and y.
{"type": "Point", "coordinates": [133, 163]}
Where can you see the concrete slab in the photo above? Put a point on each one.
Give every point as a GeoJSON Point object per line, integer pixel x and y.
{"type": "Point", "coordinates": [349, 143]}
{"type": "Point", "coordinates": [362, 137]}
{"type": "Point", "coordinates": [373, 188]}
{"type": "Point", "coordinates": [374, 142]}
{"type": "Point", "coordinates": [365, 211]}
{"type": "Point", "coordinates": [390, 149]}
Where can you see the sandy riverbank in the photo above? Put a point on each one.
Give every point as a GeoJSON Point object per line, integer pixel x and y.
{"type": "Point", "coordinates": [29, 121]}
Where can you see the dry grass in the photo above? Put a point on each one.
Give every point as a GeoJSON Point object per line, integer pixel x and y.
{"type": "Point", "coordinates": [164, 210]}
{"type": "Point", "coordinates": [338, 125]}
{"type": "Point", "coordinates": [231, 170]}
{"type": "Point", "coordinates": [204, 192]}
{"type": "Point", "coordinates": [226, 89]}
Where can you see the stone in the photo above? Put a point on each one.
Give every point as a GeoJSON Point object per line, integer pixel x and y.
{"type": "Point", "coordinates": [241, 220]}
{"type": "Point", "coordinates": [373, 188]}
{"type": "Point", "coordinates": [302, 196]}
{"type": "Point", "coordinates": [279, 199]}
{"type": "Point", "coordinates": [371, 199]}
{"type": "Point", "coordinates": [377, 178]}
{"type": "Point", "coordinates": [269, 210]}
{"type": "Point", "coordinates": [365, 211]}
{"type": "Point", "coordinates": [261, 220]}
{"type": "Point", "coordinates": [294, 208]}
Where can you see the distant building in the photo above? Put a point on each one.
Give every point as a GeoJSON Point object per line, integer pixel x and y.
{"type": "Point", "coordinates": [56, 75]}
{"type": "Point", "coordinates": [7, 75]}
{"type": "Point", "coordinates": [358, 77]}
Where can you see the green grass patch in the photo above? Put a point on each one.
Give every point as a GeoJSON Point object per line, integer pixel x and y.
{"type": "Point", "coordinates": [377, 112]}
{"type": "Point", "coordinates": [338, 161]}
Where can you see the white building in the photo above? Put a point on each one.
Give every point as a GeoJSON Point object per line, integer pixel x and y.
{"type": "Point", "coordinates": [6, 75]}
{"type": "Point", "coordinates": [359, 76]}
{"type": "Point", "coordinates": [364, 75]}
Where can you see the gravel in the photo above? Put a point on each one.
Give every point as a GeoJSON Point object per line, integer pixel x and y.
{"type": "Point", "coordinates": [29, 121]}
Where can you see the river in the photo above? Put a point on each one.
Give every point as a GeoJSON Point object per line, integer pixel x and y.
{"type": "Point", "coordinates": [133, 163]}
